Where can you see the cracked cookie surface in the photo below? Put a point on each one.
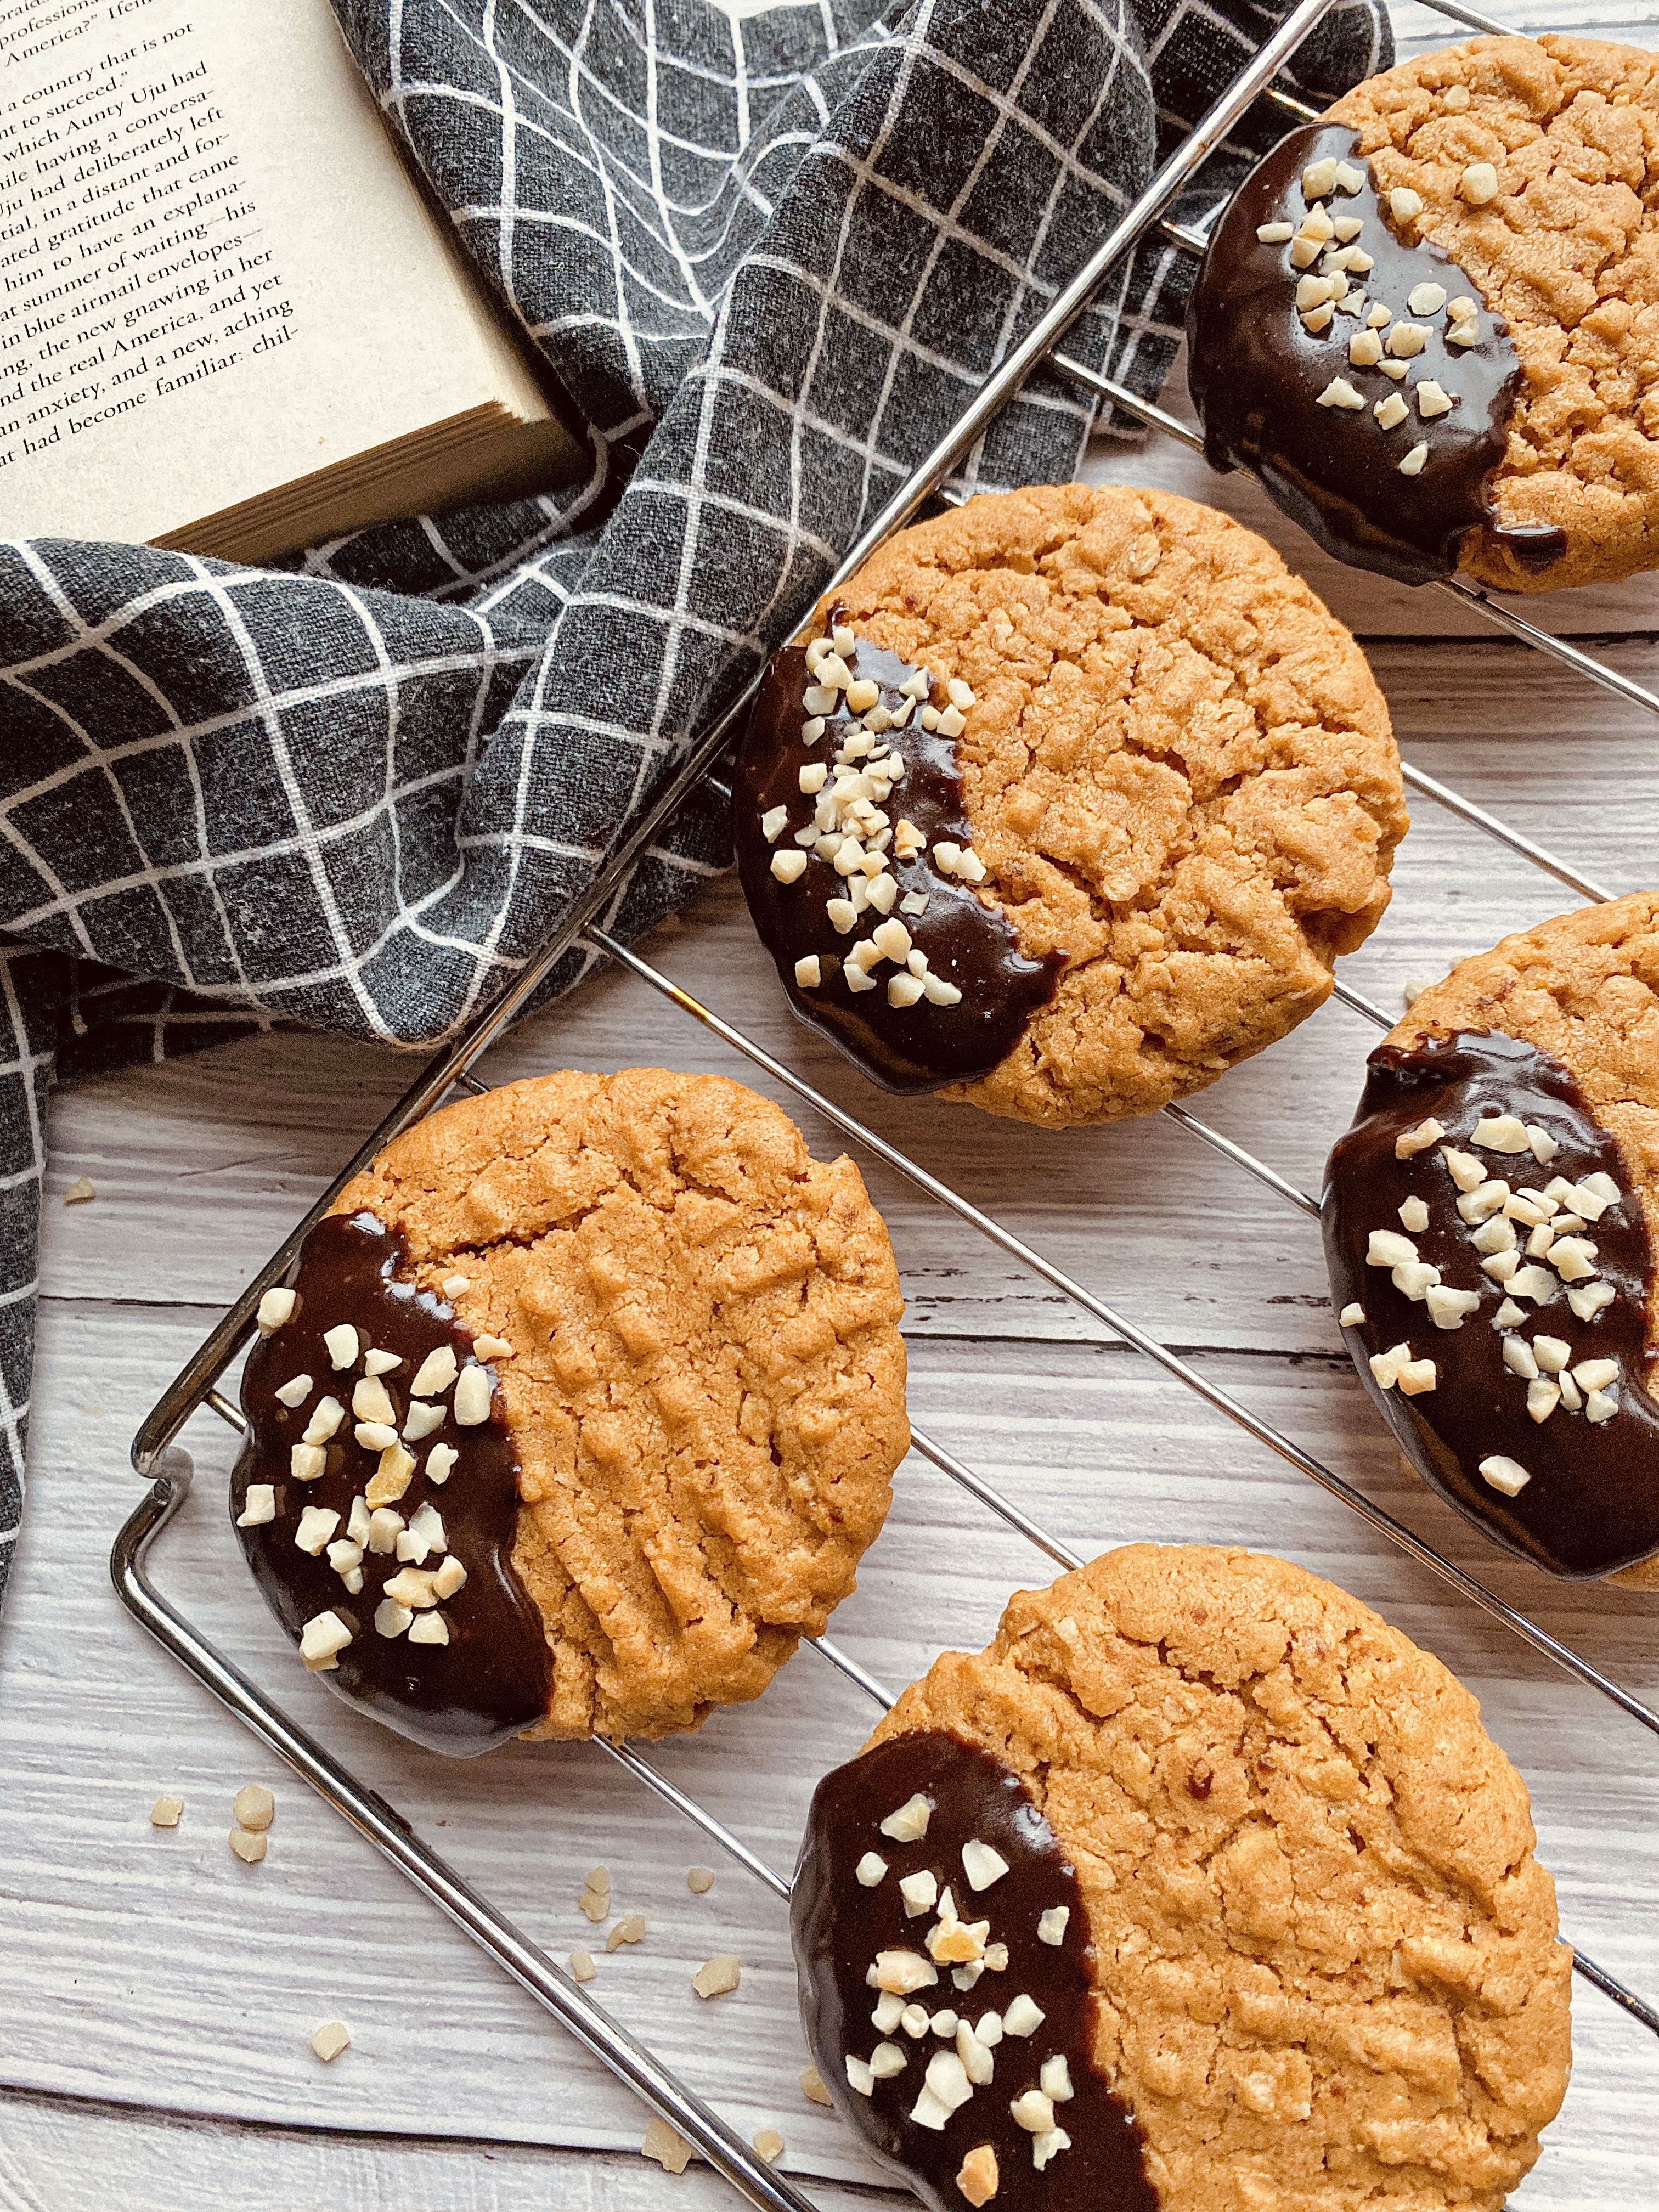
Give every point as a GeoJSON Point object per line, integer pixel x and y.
{"type": "Point", "coordinates": [1566, 249]}
{"type": "Point", "coordinates": [707, 1384]}
{"type": "Point", "coordinates": [1178, 770]}
{"type": "Point", "coordinates": [1584, 988]}
{"type": "Point", "coordinates": [1326, 1960]}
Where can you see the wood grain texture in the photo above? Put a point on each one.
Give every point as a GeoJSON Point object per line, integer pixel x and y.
{"type": "Point", "coordinates": [156, 1995]}
{"type": "Point", "coordinates": [56, 2153]}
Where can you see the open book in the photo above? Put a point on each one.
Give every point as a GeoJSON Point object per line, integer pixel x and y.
{"type": "Point", "coordinates": [228, 319]}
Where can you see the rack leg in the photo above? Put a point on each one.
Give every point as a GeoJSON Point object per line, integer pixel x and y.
{"type": "Point", "coordinates": [367, 1812]}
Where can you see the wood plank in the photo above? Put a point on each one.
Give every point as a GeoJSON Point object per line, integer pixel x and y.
{"type": "Point", "coordinates": [56, 2153]}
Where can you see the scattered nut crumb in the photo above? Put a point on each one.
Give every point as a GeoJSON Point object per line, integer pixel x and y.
{"type": "Point", "coordinates": [79, 1192]}
{"type": "Point", "coordinates": [331, 2039]}
{"type": "Point", "coordinates": [595, 1900]}
{"type": "Point", "coordinates": [671, 2152]}
{"type": "Point", "coordinates": [699, 1880]}
{"type": "Point", "coordinates": [581, 1966]}
{"type": "Point", "coordinates": [812, 2086]}
{"type": "Point", "coordinates": [164, 1812]}
{"type": "Point", "coordinates": [769, 2144]}
{"type": "Point", "coordinates": [630, 1928]}
{"type": "Point", "coordinates": [248, 1844]}
{"type": "Point", "coordinates": [717, 1976]}
{"type": "Point", "coordinates": [253, 1806]}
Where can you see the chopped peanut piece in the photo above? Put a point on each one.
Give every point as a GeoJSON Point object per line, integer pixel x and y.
{"type": "Point", "coordinates": [249, 1844]}
{"type": "Point", "coordinates": [671, 2152]}
{"type": "Point", "coordinates": [630, 1928]}
{"type": "Point", "coordinates": [717, 1976]}
{"type": "Point", "coordinates": [910, 1824]}
{"type": "Point", "coordinates": [811, 2086]}
{"type": "Point", "coordinates": [978, 2177]}
{"type": "Point", "coordinates": [165, 1811]}
{"type": "Point", "coordinates": [253, 1806]}
{"type": "Point", "coordinates": [329, 2040]}
{"type": "Point", "coordinates": [957, 1942]}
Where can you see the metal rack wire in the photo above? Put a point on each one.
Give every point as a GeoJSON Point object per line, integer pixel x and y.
{"type": "Point", "coordinates": [167, 1469]}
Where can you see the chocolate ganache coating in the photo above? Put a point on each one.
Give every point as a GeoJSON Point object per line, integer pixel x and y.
{"type": "Point", "coordinates": [1256, 369]}
{"type": "Point", "coordinates": [969, 945]}
{"type": "Point", "coordinates": [839, 1926]}
{"type": "Point", "coordinates": [494, 1675]}
{"type": "Point", "coordinates": [1576, 1323]}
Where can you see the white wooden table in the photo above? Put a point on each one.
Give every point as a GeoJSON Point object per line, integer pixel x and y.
{"type": "Point", "coordinates": [156, 1995]}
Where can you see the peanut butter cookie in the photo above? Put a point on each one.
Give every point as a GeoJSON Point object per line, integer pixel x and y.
{"type": "Point", "coordinates": [1431, 322]}
{"type": "Point", "coordinates": [1098, 779]}
{"type": "Point", "coordinates": [1490, 1223]}
{"type": "Point", "coordinates": [1268, 1841]}
{"type": "Point", "coordinates": [626, 1391]}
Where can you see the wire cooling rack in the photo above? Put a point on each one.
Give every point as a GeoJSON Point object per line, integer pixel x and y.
{"type": "Point", "coordinates": [196, 1388]}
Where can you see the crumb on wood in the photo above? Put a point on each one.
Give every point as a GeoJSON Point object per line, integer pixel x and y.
{"type": "Point", "coordinates": [812, 2089]}
{"type": "Point", "coordinates": [253, 1806]}
{"type": "Point", "coordinates": [716, 1976]}
{"type": "Point", "coordinates": [630, 1928]}
{"type": "Point", "coordinates": [671, 2151]}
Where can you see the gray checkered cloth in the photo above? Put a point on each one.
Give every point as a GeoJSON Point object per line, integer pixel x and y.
{"type": "Point", "coordinates": [765, 263]}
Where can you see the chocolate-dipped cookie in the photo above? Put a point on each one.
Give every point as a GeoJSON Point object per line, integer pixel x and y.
{"type": "Point", "coordinates": [1428, 322]}
{"type": "Point", "coordinates": [1201, 1887]}
{"type": "Point", "coordinates": [1065, 804]}
{"type": "Point", "coordinates": [577, 1412]}
{"type": "Point", "coordinates": [1489, 1224]}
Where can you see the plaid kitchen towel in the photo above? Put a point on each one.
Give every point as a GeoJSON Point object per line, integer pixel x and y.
{"type": "Point", "coordinates": [765, 261]}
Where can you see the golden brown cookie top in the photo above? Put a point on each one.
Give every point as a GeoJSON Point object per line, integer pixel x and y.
{"type": "Point", "coordinates": [705, 1382]}
{"type": "Point", "coordinates": [1326, 1958]}
{"type": "Point", "coordinates": [1536, 161]}
{"type": "Point", "coordinates": [1178, 770]}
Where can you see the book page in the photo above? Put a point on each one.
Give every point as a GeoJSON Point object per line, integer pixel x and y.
{"type": "Point", "coordinates": [215, 277]}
